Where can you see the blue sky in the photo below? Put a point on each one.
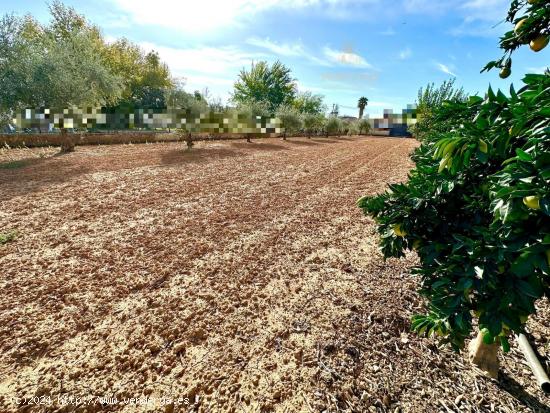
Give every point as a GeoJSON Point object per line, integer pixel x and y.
{"type": "Point", "coordinates": [342, 49]}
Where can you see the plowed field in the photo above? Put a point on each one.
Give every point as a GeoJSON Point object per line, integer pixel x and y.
{"type": "Point", "coordinates": [235, 277]}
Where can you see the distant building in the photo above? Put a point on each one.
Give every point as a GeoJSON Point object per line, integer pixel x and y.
{"type": "Point", "coordinates": [394, 124]}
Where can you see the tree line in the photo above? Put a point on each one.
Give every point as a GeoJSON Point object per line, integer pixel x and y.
{"type": "Point", "coordinates": [68, 62]}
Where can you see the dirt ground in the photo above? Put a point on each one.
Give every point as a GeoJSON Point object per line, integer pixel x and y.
{"type": "Point", "coordinates": [235, 277]}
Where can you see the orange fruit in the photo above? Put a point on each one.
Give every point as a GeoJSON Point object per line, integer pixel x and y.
{"type": "Point", "coordinates": [532, 202]}
{"type": "Point", "coordinates": [505, 72]}
{"type": "Point", "coordinates": [539, 43]}
{"type": "Point", "coordinates": [518, 25]}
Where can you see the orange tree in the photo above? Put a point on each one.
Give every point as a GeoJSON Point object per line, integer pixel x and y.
{"type": "Point", "coordinates": [476, 209]}
{"type": "Point", "coordinates": [531, 21]}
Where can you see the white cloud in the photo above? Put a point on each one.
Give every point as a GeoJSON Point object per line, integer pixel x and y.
{"type": "Point", "coordinates": [213, 67]}
{"type": "Point", "coordinates": [283, 49]}
{"type": "Point", "coordinates": [199, 17]}
{"type": "Point", "coordinates": [540, 70]}
{"type": "Point", "coordinates": [405, 54]}
{"type": "Point", "coordinates": [218, 87]}
{"type": "Point", "coordinates": [478, 16]}
{"type": "Point", "coordinates": [286, 49]}
{"type": "Point", "coordinates": [217, 67]}
{"type": "Point", "coordinates": [445, 69]}
{"type": "Point", "coordinates": [215, 60]}
{"type": "Point", "coordinates": [205, 15]}
{"type": "Point", "coordinates": [110, 39]}
{"type": "Point", "coordinates": [346, 58]}
{"type": "Point", "coordinates": [116, 21]}
{"type": "Point", "coordinates": [482, 18]}
{"type": "Point", "coordinates": [487, 10]}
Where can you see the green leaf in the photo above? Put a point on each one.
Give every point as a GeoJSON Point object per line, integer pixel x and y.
{"type": "Point", "coordinates": [523, 156]}
{"type": "Point", "coordinates": [513, 93]}
{"type": "Point", "coordinates": [505, 344]}
{"type": "Point", "coordinates": [472, 100]}
{"type": "Point", "coordinates": [487, 337]}
{"type": "Point", "coordinates": [501, 97]}
{"type": "Point", "coordinates": [527, 289]}
{"type": "Point", "coordinates": [491, 94]}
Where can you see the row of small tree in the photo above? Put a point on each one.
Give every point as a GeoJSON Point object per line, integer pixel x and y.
{"type": "Point", "coordinates": [300, 124]}
{"type": "Point", "coordinates": [317, 124]}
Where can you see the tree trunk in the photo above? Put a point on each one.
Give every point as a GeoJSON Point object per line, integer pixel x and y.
{"type": "Point", "coordinates": [484, 356]}
{"type": "Point", "coordinates": [284, 136]}
{"type": "Point", "coordinates": [189, 140]}
{"type": "Point", "coordinates": [67, 142]}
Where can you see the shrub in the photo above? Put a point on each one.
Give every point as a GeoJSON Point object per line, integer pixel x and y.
{"type": "Point", "coordinates": [312, 123]}
{"type": "Point", "coordinates": [13, 164]}
{"type": "Point", "coordinates": [363, 126]}
{"type": "Point", "coordinates": [349, 127]}
{"type": "Point", "coordinates": [429, 101]}
{"type": "Point", "coordinates": [333, 125]}
{"type": "Point", "coordinates": [321, 125]}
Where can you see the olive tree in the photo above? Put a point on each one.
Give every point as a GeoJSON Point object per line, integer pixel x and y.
{"type": "Point", "coordinates": [333, 125]}
{"type": "Point", "coordinates": [290, 118]}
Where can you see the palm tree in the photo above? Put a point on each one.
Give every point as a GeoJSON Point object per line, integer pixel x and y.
{"type": "Point", "coordinates": [361, 104]}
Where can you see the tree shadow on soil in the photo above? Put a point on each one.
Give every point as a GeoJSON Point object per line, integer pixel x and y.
{"type": "Point", "coordinates": [258, 146]}
{"type": "Point", "coordinates": [515, 389]}
{"type": "Point", "coordinates": [325, 140]}
{"type": "Point", "coordinates": [196, 155]}
{"type": "Point", "coordinates": [28, 175]}
{"type": "Point", "coordinates": [309, 142]}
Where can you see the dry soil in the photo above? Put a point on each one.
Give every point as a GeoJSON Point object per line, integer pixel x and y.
{"type": "Point", "coordinates": [235, 277]}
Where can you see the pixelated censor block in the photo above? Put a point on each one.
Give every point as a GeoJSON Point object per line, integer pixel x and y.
{"type": "Point", "coordinates": [121, 118]}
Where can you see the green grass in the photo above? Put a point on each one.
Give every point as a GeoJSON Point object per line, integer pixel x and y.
{"type": "Point", "coordinates": [13, 164]}
{"type": "Point", "coordinates": [7, 237]}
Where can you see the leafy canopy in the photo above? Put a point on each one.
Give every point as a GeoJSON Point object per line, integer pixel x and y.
{"type": "Point", "coordinates": [290, 118]}
{"type": "Point", "coordinates": [67, 62]}
{"type": "Point", "coordinates": [307, 102]}
{"type": "Point", "coordinates": [483, 251]}
{"type": "Point", "coordinates": [273, 85]}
